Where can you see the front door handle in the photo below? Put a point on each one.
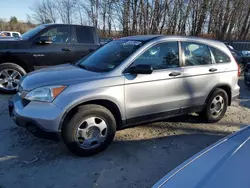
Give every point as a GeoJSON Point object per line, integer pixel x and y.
{"type": "Point", "coordinates": [174, 74]}
{"type": "Point", "coordinates": [212, 70]}
{"type": "Point", "coordinates": [66, 49]}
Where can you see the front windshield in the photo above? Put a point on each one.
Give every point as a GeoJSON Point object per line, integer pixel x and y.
{"type": "Point", "coordinates": [32, 32]}
{"type": "Point", "coordinates": [109, 56]}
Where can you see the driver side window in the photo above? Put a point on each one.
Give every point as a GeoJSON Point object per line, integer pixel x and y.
{"type": "Point", "coordinates": [59, 35]}
{"type": "Point", "coordinates": [160, 56]}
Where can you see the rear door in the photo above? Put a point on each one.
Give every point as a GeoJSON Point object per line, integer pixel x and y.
{"type": "Point", "coordinates": [84, 41]}
{"type": "Point", "coordinates": [201, 73]}
{"type": "Point", "coordinates": [58, 52]}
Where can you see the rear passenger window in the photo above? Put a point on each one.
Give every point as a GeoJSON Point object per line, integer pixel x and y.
{"type": "Point", "coordinates": [219, 56]}
{"type": "Point", "coordinates": [196, 54]}
{"type": "Point", "coordinates": [84, 35]}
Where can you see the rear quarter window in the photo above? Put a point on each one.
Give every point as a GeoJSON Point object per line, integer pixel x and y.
{"type": "Point", "coordinates": [219, 56]}
{"type": "Point", "coordinates": [16, 35]}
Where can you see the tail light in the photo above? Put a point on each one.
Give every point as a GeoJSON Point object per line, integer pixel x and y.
{"type": "Point", "coordinates": [239, 73]}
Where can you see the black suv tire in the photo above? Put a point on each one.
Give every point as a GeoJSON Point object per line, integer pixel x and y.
{"type": "Point", "coordinates": [73, 128]}
{"type": "Point", "coordinates": [216, 106]}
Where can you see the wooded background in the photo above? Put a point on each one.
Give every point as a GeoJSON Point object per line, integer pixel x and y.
{"type": "Point", "coordinates": [218, 19]}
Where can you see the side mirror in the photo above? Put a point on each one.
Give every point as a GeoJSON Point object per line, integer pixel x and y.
{"type": "Point", "coordinates": [141, 69]}
{"type": "Point", "coordinates": [44, 40]}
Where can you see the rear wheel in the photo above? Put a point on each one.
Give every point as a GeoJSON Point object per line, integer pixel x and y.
{"type": "Point", "coordinates": [10, 76]}
{"type": "Point", "coordinates": [216, 106]}
{"type": "Point", "coordinates": [90, 130]}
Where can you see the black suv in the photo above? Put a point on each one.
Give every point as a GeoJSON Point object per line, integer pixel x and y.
{"type": "Point", "coordinates": [247, 75]}
{"type": "Point", "coordinates": [240, 59]}
{"type": "Point", "coordinates": [45, 45]}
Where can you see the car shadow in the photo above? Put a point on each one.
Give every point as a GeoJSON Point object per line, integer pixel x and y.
{"type": "Point", "coordinates": [126, 163]}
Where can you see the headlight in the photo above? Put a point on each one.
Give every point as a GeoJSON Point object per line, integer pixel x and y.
{"type": "Point", "coordinates": [44, 94]}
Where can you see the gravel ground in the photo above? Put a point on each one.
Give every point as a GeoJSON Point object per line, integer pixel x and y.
{"type": "Point", "coordinates": [138, 157]}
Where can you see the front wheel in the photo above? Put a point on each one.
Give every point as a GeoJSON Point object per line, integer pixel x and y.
{"type": "Point", "coordinates": [90, 130]}
{"type": "Point", "coordinates": [216, 106]}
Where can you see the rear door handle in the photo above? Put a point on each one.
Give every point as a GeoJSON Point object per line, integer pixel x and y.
{"type": "Point", "coordinates": [66, 49]}
{"type": "Point", "coordinates": [212, 70]}
{"type": "Point", "coordinates": [174, 74]}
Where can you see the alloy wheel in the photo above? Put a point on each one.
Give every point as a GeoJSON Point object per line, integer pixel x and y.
{"type": "Point", "coordinates": [9, 79]}
{"type": "Point", "coordinates": [217, 106]}
{"type": "Point", "coordinates": [91, 132]}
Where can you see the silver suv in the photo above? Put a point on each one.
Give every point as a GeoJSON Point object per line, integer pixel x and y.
{"type": "Point", "coordinates": [129, 81]}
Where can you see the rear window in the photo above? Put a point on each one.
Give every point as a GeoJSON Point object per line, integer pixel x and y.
{"type": "Point", "coordinates": [219, 56]}
{"type": "Point", "coordinates": [84, 35]}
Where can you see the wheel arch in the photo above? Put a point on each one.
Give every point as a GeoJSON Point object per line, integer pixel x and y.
{"type": "Point", "coordinates": [8, 59]}
{"type": "Point", "coordinates": [110, 105]}
{"type": "Point", "coordinates": [227, 88]}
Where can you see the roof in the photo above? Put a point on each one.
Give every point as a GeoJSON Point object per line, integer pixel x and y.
{"type": "Point", "coordinates": [9, 31]}
{"type": "Point", "coordinates": [175, 37]}
{"type": "Point", "coordinates": [142, 37]}
{"type": "Point", "coordinates": [55, 24]}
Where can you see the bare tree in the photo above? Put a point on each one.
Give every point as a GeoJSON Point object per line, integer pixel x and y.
{"type": "Point", "coordinates": [44, 12]}
{"type": "Point", "coordinates": [202, 16]}
{"type": "Point", "coordinates": [220, 19]}
{"type": "Point", "coordinates": [66, 10]}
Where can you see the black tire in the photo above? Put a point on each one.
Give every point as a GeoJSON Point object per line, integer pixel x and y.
{"type": "Point", "coordinates": [207, 114]}
{"type": "Point", "coordinates": [12, 66]}
{"type": "Point", "coordinates": [70, 126]}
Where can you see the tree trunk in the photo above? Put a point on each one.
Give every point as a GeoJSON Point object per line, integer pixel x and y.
{"type": "Point", "coordinates": [202, 17]}
{"type": "Point", "coordinates": [244, 31]}
{"type": "Point", "coordinates": [226, 21]}
{"type": "Point", "coordinates": [134, 10]}
{"type": "Point", "coordinates": [126, 17]}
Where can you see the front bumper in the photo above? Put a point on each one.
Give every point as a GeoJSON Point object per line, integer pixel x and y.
{"type": "Point", "coordinates": [41, 119]}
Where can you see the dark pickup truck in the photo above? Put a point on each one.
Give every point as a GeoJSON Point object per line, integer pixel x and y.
{"type": "Point", "coordinates": [45, 45]}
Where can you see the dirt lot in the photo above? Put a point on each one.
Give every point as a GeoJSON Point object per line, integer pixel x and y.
{"type": "Point", "coordinates": [138, 157]}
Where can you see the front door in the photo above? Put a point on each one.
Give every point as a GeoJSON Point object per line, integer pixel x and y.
{"type": "Point", "coordinates": [58, 52]}
{"type": "Point", "coordinates": [158, 94]}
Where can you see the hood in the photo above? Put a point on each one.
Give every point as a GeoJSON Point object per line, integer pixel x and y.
{"type": "Point", "coordinates": [224, 164]}
{"type": "Point", "coordinates": [63, 74]}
